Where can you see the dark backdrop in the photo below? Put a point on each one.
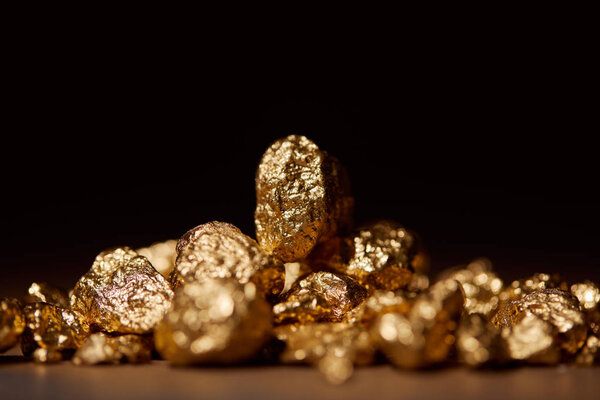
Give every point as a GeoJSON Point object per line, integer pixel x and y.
{"type": "Point", "coordinates": [491, 159]}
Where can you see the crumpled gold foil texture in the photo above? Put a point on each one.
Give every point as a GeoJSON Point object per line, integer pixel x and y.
{"type": "Point", "coordinates": [101, 348]}
{"type": "Point", "coordinates": [12, 323]}
{"type": "Point", "coordinates": [302, 198]}
{"type": "Point", "coordinates": [319, 297]}
{"type": "Point", "coordinates": [122, 292]}
{"type": "Point", "coordinates": [214, 321]}
{"type": "Point", "coordinates": [220, 250]}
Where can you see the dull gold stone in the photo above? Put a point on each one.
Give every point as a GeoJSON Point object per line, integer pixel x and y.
{"type": "Point", "coordinates": [122, 292]}
{"type": "Point", "coordinates": [56, 330]}
{"type": "Point", "coordinates": [220, 250]}
{"type": "Point", "coordinates": [481, 286]}
{"type": "Point", "coordinates": [334, 348]}
{"type": "Point", "coordinates": [522, 287]}
{"type": "Point", "coordinates": [319, 297]}
{"type": "Point", "coordinates": [378, 256]}
{"type": "Point", "coordinates": [214, 321]}
{"type": "Point", "coordinates": [101, 348]}
{"type": "Point", "coordinates": [590, 352]}
{"type": "Point", "coordinates": [302, 198]}
{"type": "Point", "coordinates": [161, 255]}
{"type": "Point", "coordinates": [532, 339]}
{"type": "Point", "coordinates": [426, 335]}
{"type": "Point", "coordinates": [478, 341]}
{"type": "Point", "coordinates": [559, 308]}
{"type": "Point", "coordinates": [12, 323]}
{"type": "Point", "coordinates": [587, 293]}
{"type": "Point", "coordinates": [46, 293]}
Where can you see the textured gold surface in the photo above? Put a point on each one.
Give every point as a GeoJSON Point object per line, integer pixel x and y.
{"type": "Point", "coordinates": [540, 281]}
{"type": "Point", "coordinates": [480, 284]}
{"type": "Point", "coordinates": [334, 348]}
{"type": "Point", "coordinates": [319, 297]}
{"type": "Point", "coordinates": [12, 323]}
{"type": "Point", "coordinates": [378, 256]}
{"type": "Point", "coordinates": [53, 329]}
{"type": "Point", "coordinates": [425, 336]}
{"type": "Point", "coordinates": [478, 341]}
{"type": "Point", "coordinates": [559, 308]}
{"type": "Point", "coordinates": [214, 321]}
{"type": "Point", "coordinates": [220, 250]}
{"type": "Point", "coordinates": [302, 198]}
{"type": "Point", "coordinates": [161, 255]}
{"type": "Point", "coordinates": [122, 292]}
{"type": "Point", "coordinates": [46, 293]}
{"type": "Point", "coordinates": [533, 340]}
{"type": "Point", "coordinates": [101, 348]}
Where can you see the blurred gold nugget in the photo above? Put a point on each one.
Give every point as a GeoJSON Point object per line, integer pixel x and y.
{"type": "Point", "coordinates": [533, 340]}
{"type": "Point", "coordinates": [334, 348]}
{"type": "Point", "coordinates": [426, 335]}
{"type": "Point", "coordinates": [220, 250]}
{"type": "Point", "coordinates": [46, 293]}
{"type": "Point", "coordinates": [480, 284]}
{"type": "Point", "coordinates": [302, 198]}
{"type": "Point", "coordinates": [161, 255]}
{"type": "Point", "coordinates": [378, 303]}
{"type": "Point", "coordinates": [122, 292]}
{"type": "Point", "coordinates": [378, 256]}
{"type": "Point", "coordinates": [12, 323]}
{"type": "Point", "coordinates": [587, 293]}
{"type": "Point", "coordinates": [52, 331]}
{"type": "Point", "coordinates": [101, 348]}
{"type": "Point", "coordinates": [214, 321]}
{"type": "Point", "coordinates": [478, 341]}
{"type": "Point", "coordinates": [559, 308]}
{"type": "Point", "coordinates": [318, 297]}
{"type": "Point", "coordinates": [590, 352]}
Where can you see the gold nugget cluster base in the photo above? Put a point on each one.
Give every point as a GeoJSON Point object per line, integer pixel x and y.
{"type": "Point", "coordinates": [311, 289]}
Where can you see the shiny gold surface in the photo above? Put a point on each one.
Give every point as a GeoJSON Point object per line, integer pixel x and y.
{"type": "Point", "coordinates": [161, 255]}
{"type": "Point", "coordinates": [214, 321]}
{"type": "Point", "coordinates": [540, 281]}
{"type": "Point", "coordinates": [54, 330]}
{"type": "Point", "coordinates": [319, 297]}
{"type": "Point", "coordinates": [101, 348]}
{"type": "Point", "coordinates": [478, 341]}
{"type": "Point", "coordinates": [587, 293]}
{"type": "Point", "coordinates": [533, 340]}
{"type": "Point", "coordinates": [122, 292]}
{"type": "Point", "coordinates": [480, 284]}
{"type": "Point", "coordinates": [46, 293]}
{"type": "Point", "coordinates": [302, 198]}
{"type": "Point", "coordinates": [220, 250]}
{"type": "Point", "coordinates": [12, 323]}
{"type": "Point", "coordinates": [334, 348]}
{"type": "Point", "coordinates": [378, 256]}
{"type": "Point", "coordinates": [426, 335]}
{"type": "Point", "coordinates": [378, 303]}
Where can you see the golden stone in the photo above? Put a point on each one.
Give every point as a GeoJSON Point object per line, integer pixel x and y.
{"type": "Point", "coordinates": [101, 348]}
{"type": "Point", "coordinates": [478, 341]}
{"type": "Point", "coordinates": [532, 339]}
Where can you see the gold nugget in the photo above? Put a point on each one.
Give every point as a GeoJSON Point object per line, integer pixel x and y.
{"type": "Point", "coordinates": [319, 296]}
{"type": "Point", "coordinates": [46, 293]}
{"type": "Point", "coordinates": [12, 323]}
{"type": "Point", "coordinates": [481, 286]}
{"type": "Point", "coordinates": [220, 250]}
{"type": "Point", "coordinates": [122, 292]}
{"type": "Point", "coordinates": [587, 293]}
{"type": "Point", "coordinates": [478, 341]}
{"type": "Point", "coordinates": [378, 303]}
{"type": "Point", "coordinates": [378, 256]}
{"type": "Point", "coordinates": [425, 336]}
{"type": "Point", "coordinates": [302, 198]}
{"type": "Point", "coordinates": [52, 332]}
{"type": "Point", "coordinates": [559, 308]}
{"type": "Point", "coordinates": [334, 348]}
{"type": "Point", "coordinates": [590, 352]}
{"type": "Point", "coordinates": [161, 255]}
{"type": "Point", "coordinates": [532, 339]}
{"type": "Point", "coordinates": [101, 348]}
{"type": "Point", "coordinates": [214, 321]}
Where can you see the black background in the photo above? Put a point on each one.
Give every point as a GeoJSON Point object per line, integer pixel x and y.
{"type": "Point", "coordinates": [488, 152]}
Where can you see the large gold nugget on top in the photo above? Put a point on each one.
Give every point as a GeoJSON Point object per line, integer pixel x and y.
{"type": "Point", "coordinates": [214, 321]}
{"type": "Point", "coordinates": [101, 348]}
{"type": "Point", "coordinates": [334, 348]}
{"type": "Point", "coordinates": [319, 296]}
{"type": "Point", "coordinates": [302, 198]}
{"type": "Point", "coordinates": [559, 308]}
{"type": "Point", "coordinates": [378, 256]}
{"type": "Point", "coordinates": [427, 334]}
{"type": "Point", "coordinates": [161, 255]}
{"type": "Point", "coordinates": [52, 331]}
{"type": "Point", "coordinates": [122, 292]}
{"type": "Point", "coordinates": [12, 323]}
{"type": "Point", "coordinates": [220, 250]}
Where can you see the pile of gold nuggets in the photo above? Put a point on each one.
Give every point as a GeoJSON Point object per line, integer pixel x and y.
{"type": "Point", "coordinates": [310, 290]}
